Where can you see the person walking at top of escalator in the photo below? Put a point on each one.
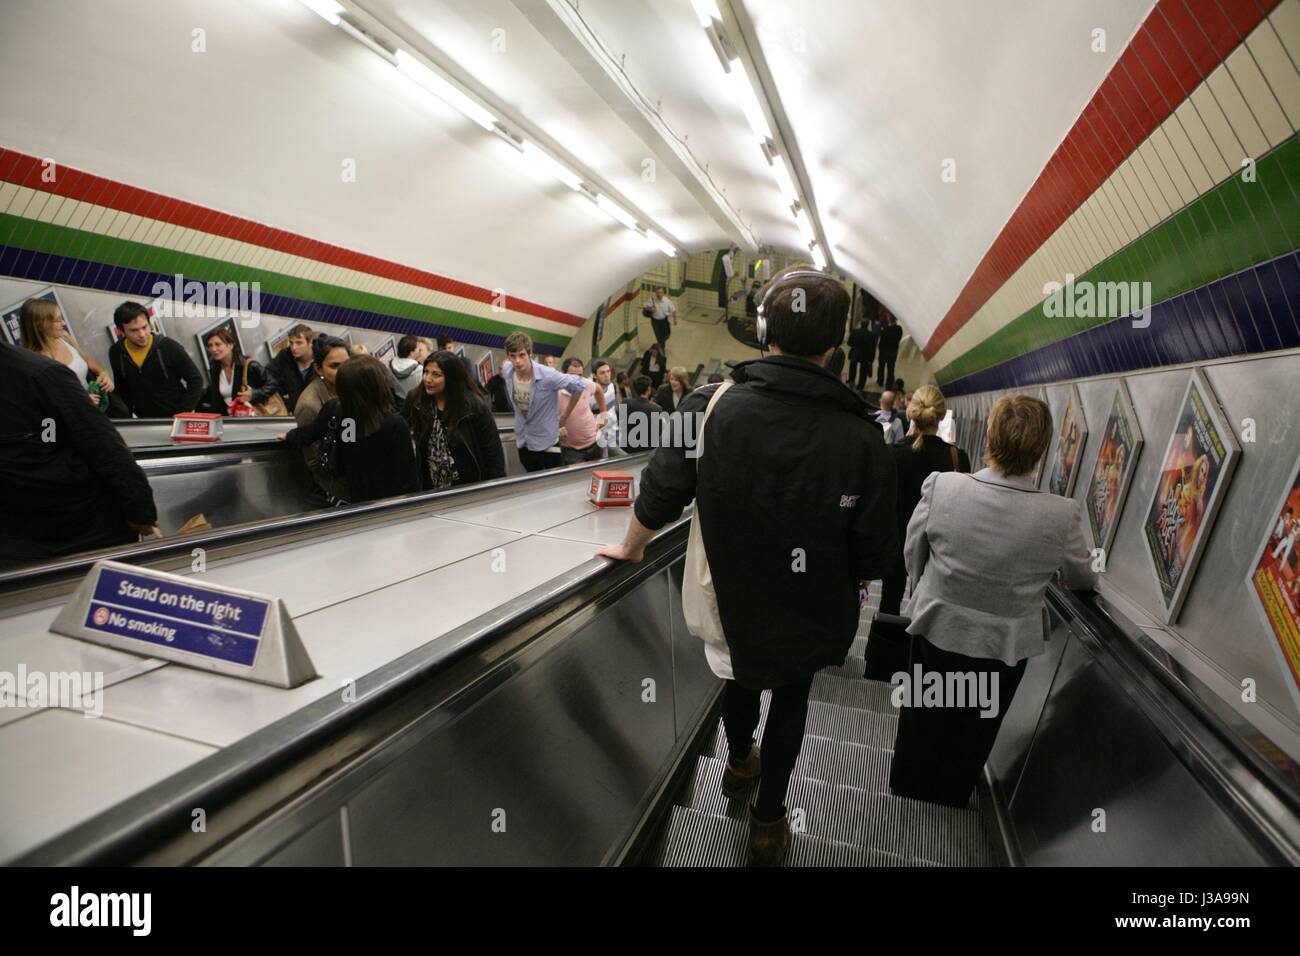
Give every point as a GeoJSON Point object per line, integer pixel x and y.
{"type": "Point", "coordinates": [233, 379]}
{"type": "Point", "coordinates": [891, 336]}
{"type": "Point", "coordinates": [456, 439]}
{"type": "Point", "coordinates": [70, 483]}
{"type": "Point", "coordinates": [328, 355]}
{"type": "Point", "coordinates": [672, 393]}
{"type": "Point", "coordinates": [794, 500]}
{"type": "Point", "coordinates": [862, 353]}
{"type": "Point", "coordinates": [661, 313]}
{"type": "Point", "coordinates": [152, 374]}
{"type": "Point", "coordinates": [915, 458]}
{"type": "Point", "coordinates": [654, 365]}
{"type": "Point", "coordinates": [42, 328]}
{"type": "Point", "coordinates": [371, 443]}
{"type": "Point", "coordinates": [981, 550]}
{"type": "Point", "coordinates": [534, 392]}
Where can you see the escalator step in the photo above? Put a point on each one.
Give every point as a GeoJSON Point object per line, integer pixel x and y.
{"type": "Point", "coordinates": [853, 692]}
{"type": "Point", "coordinates": [703, 791]}
{"type": "Point", "coordinates": [693, 838]}
{"type": "Point", "coordinates": [718, 746]}
{"type": "Point", "coordinates": [925, 832]}
{"type": "Point", "coordinates": [851, 725]}
{"type": "Point", "coordinates": [836, 762]}
{"type": "Point", "coordinates": [853, 667]}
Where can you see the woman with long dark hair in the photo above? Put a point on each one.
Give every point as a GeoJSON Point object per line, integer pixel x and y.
{"type": "Point", "coordinates": [231, 377]}
{"type": "Point", "coordinates": [362, 438]}
{"type": "Point", "coordinates": [456, 440]}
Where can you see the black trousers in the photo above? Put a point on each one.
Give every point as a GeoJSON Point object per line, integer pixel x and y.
{"type": "Point", "coordinates": [663, 329]}
{"type": "Point", "coordinates": [782, 737]}
{"type": "Point", "coordinates": [538, 460]}
{"type": "Point", "coordinates": [859, 369]}
{"type": "Point", "coordinates": [939, 750]}
{"type": "Point", "coordinates": [888, 645]}
{"type": "Point", "coordinates": [885, 370]}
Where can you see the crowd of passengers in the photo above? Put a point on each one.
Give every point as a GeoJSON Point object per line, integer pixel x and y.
{"type": "Point", "coordinates": [798, 464]}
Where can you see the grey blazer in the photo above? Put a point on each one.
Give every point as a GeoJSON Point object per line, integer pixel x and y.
{"type": "Point", "coordinates": [981, 550]}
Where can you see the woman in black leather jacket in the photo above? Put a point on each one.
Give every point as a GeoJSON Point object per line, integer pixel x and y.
{"type": "Point", "coordinates": [456, 440]}
{"type": "Point", "coordinates": [230, 377]}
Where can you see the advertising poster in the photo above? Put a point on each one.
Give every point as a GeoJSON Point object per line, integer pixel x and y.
{"type": "Point", "coordinates": [1116, 461]}
{"type": "Point", "coordinates": [278, 342]}
{"type": "Point", "coordinates": [1274, 579]}
{"type": "Point", "coordinates": [1068, 451]}
{"type": "Point", "coordinates": [485, 370]}
{"type": "Point", "coordinates": [1194, 475]}
{"type": "Point", "coordinates": [386, 349]}
{"type": "Point", "coordinates": [9, 318]}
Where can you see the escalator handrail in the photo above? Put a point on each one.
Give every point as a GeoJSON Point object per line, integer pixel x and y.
{"type": "Point", "coordinates": [1252, 791]}
{"type": "Point", "coordinates": [124, 833]}
{"type": "Point", "coordinates": [182, 546]}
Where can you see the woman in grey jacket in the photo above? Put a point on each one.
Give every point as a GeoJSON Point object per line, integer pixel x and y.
{"type": "Point", "coordinates": [981, 550]}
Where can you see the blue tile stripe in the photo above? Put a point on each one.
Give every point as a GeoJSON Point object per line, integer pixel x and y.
{"type": "Point", "coordinates": [139, 284]}
{"type": "Point", "coordinates": [1255, 310]}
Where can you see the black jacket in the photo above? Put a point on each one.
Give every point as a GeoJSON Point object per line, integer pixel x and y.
{"type": "Point", "coordinates": [915, 466]}
{"type": "Point", "coordinates": [862, 342]}
{"type": "Point", "coordinates": [664, 397]}
{"type": "Point", "coordinates": [261, 381]}
{"type": "Point", "coordinates": [379, 465]}
{"type": "Point", "coordinates": [476, 449]}
{"type": "Point", "coordinates": [890, 337]}
{"type": "Point", "coordinates": [169, 382]}
{"type": "Point", "coordinates": [70, 483]}
{"type": "Point", "coordinates": [796, 503]}
{"type": "Point", "coordinates": [289, 379]}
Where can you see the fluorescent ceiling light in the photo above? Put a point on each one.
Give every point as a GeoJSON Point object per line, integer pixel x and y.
{"type": "Point", "coordinates": [662, 243]}
{"type": "Point", "coordinates": [707, 11]}
{"type": "Point", "coordinates": [782, 173]}
{"type": "Point", "coordinates": [444, 90]}
{"type": "Point", "coordinates": [746, 96]}
{"type": "Point", "coordinates": [328, 10]}
{"type": "Point", "coordinates": [544, 161]}
{"type": "Point", "coordinates": [615, 211]}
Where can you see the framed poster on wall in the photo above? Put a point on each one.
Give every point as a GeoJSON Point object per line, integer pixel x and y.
{"type": "Point", "coordinates": [1068, 451]}
{"type": "Point", "coordinates": [9, 318]}
{"type": "Point", "coordinates": [229, 322]}
{"type": "Point", "coordinates": [1121, 444]}
{"type": "Point", "coordinates": [1274, 579]}
{"type": "Point", "coordinates": [1194, 474]}
{"type": "Point", "coordinates": [277, 343]}
{"type": "Point", "coordinates": [485, 368]}
{"type": "Point", "coordinates": [386, 349]}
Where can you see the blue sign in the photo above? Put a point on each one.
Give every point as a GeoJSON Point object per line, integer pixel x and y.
{"type": "Point", "coordinates": [180, 615]}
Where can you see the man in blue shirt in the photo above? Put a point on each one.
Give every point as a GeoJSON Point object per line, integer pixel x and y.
{"type": "Point", "coordinates": [533, 390]}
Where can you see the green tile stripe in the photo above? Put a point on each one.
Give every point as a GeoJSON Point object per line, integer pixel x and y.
{"type": "Point", "coordinates": [45, 237]}
{"type": "Point", "coordinates": [1233, 226]}
{"type": "Point", "coordinates": [625, 337]}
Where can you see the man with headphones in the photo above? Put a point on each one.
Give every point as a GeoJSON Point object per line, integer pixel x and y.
{"type": "Point", "coordinates": [794, 491]}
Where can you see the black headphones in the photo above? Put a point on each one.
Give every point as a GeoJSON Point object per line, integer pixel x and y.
{"type": "Point", "coordinates": [760, 326]}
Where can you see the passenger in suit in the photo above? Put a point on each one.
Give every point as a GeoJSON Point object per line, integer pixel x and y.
{"type": "Point", "coordinates": [916, 459]}
{"type": "Point", "coordinates": [981, 550]}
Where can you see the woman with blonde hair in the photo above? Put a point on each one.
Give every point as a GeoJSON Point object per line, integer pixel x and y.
{"type": "Point", "coordinates": [981, 550]}
{"type": "Point", "coordinates": [915, 458]}
{"type": "Point", "coordinates": [673, 392]}
{"type": "Point", "coordinates": [42, 329]}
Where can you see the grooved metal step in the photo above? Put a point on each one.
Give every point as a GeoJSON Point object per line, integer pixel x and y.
{"type": "Point", "coordinates": [869, 695]}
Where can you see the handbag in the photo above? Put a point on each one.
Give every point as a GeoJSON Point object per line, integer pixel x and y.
{"type": "Point", "coordinates": [699, 600]}
{"type": "Point", "coordinates": [274, 404]}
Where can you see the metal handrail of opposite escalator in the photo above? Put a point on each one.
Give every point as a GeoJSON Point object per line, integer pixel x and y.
{"type": "Point", "coordinates": [263, 773]}
{"type": "Point", "coordinates": [1247, 787]}
{"type": "Point", "coordinates": [181, 548]}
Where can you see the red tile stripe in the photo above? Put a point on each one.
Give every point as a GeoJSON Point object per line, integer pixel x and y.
{"type": "Point", "coordinates": [1177, 46]}
{"type": "Point", "coordinates": [23, 170]}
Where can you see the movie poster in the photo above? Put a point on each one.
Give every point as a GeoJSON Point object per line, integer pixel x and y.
{"type": "Point", "coordinates": [1071, 438]}
{"type": "Point", "coordinates": [1194, 475]}
{"type": "Point", "coordinates": [485, 368]}
{"type": "Point", "coordinates": [1275, 578]}
{"type": "Point", "coordinates": [1116, 461]}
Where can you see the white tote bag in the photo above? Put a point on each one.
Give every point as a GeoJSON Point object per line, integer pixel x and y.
{"type": "Point", "coordinates": [699, 602]}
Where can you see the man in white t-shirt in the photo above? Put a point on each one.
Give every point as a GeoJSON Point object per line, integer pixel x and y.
{"type": "Point", "coordinates": [661, 311]}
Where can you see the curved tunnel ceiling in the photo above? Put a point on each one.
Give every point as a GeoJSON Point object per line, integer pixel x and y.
{"type": "Point", "coordinates": [877, 98]}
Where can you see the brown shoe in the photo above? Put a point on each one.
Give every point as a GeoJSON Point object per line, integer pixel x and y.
{"type": "Point", "coordinates": [737, 778]}
{"type": "Point", "coordinates": [768, 841]}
